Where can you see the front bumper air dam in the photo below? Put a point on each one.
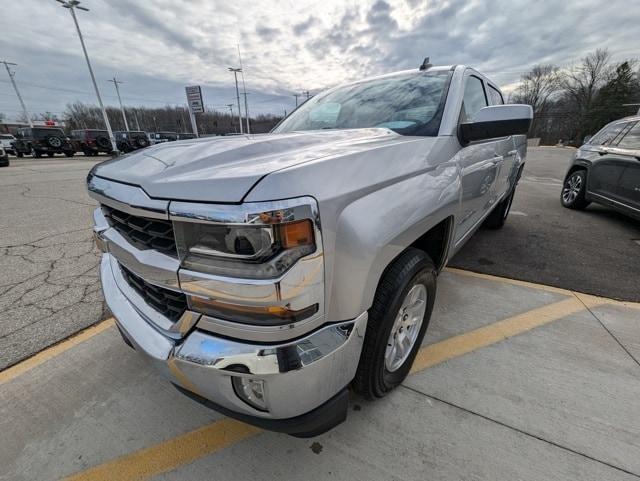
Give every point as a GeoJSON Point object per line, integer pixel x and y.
{"type": "Point", "coordinates": [305, 379]}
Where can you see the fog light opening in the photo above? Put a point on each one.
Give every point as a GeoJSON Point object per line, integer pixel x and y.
{"type": "Point", "coordinates": [251, 391]}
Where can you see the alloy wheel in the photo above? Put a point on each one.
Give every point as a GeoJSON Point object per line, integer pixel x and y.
{"type": "Point", "coordinates": [572, 188]}
{"type": "Point", "coordinates": [406, 328]}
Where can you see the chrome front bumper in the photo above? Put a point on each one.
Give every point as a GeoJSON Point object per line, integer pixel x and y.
{"type": "Point", "coordinates": [298, 375]}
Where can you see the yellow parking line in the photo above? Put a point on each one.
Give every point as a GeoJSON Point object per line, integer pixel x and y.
{"type": "Point", "coordinates": [498, 331]}
{"type": "Point", "coordinates": [169, 454]}
{"type": "Point", "coordinates": [186, 448]}
{"type": "Point", "coordinates": [506, 280]}
{"type": "Point", "coordinates": [544, 287]}
{"type": "Point", "coordinates": [53, 351]}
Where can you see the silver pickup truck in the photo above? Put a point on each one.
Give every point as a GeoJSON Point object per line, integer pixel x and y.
{"type": "Point", "coordinates": [264, 275]}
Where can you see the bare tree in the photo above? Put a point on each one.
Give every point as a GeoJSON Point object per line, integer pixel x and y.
{"type": "Point", "coordinates": [538, 86]}
{"type": "Point", "coordinates": [581, 84]}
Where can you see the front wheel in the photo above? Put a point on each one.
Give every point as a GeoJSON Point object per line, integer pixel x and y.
{"type": "Point", "coordinates": [574, 189]}
{"type": "Point", "coordinates": [398, 320]}
{"type": "Point", "coordinates": [70, 153]}
{"type": "Point", "coordinates": [19, 154]}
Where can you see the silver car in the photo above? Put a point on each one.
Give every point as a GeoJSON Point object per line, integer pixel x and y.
{"type": "Point", "coordinates": [265, 275]}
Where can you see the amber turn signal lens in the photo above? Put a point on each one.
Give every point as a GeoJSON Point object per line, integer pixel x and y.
{"type": "Point", "coordinates": [294, 234]}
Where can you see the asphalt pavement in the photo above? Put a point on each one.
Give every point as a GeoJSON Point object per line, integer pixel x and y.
{"type": "Point", "coordinates": [596, 251]}
{"type": "Point", "coordinates": [49, 286]}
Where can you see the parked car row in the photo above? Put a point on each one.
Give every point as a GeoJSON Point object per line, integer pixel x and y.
{"type": "Point", "coordinates": [49, 141]}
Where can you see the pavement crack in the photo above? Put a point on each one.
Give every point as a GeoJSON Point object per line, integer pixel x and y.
{"type": "Point", "coordinates": [521, 431]}
{"type": "Point", "coordinates": [613, 336]}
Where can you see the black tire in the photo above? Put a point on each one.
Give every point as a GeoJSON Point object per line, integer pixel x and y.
{"type": "Point", "coordinates": [50, 154]}
{"type": "Point", "coordinates": [373, 379]}
{"type": "Point", "coordinates": [19, 155]}
{"type": "Point", "coordinates": [35, 153]}
{"type": "Point", "coordinates": [103, 142]}
{"type": "Point", "coordinates": [499, 215]}
{"type": "Point", "coordinates": [573, 191]}
{"type": "Point", "coordinates": [70, 153]}
{"type": "Point", "coordinates": [54, 141]}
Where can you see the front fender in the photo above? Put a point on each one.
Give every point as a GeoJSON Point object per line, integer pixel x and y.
{"type": "Point", "coordinates": [374, 229]}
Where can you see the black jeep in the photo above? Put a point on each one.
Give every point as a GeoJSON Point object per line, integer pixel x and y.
{"type": "Point", "coordinates": [38, 141]}
{"type": "Point", "coordinates": [91, 141]}
{"type": "Point", "coordinates": [132, 140]}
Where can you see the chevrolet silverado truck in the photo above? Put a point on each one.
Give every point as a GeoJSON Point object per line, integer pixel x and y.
{"type": "Point", "coordinates": [265, 275]}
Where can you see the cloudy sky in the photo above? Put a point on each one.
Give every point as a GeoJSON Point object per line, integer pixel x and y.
{"type": "Point", "coordinates": [156, 47]}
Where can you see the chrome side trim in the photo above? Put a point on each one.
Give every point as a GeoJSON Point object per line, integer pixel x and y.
{"type": "Point", "coordinates": [172, 329]}
{"type": "Point", "coordinates": [609, 199]}
{"type": "Point", "coordinates": [127, 198]}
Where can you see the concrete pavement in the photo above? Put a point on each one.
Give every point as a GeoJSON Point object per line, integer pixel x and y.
{"type": "Point", "coordinates": [514, 381]}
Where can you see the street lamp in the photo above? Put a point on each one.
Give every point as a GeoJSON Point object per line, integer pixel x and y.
{"type": "Point", "coordinates": [15, 87]}
{"type": "Point", "coordinates": [235, 74]}
{"type": "Point", "coordinates": [124, 117]}
{"type": "Point", "coordinates": [71, 5]}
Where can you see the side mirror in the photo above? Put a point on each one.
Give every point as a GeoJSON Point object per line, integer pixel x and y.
{"type": "Point", "coordinates": [497, 121]}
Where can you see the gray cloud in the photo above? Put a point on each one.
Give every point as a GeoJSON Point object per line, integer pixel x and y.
{"type": "Point", "coordinates": [158, 46]}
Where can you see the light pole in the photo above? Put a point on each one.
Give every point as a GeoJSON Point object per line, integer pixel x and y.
{"type": "Point", "coordinates": [235, 74]}
{"type": "Point", "coordinates": [296, 96]}
{"type": "Point", "coordinates": [124, 117]}
{"type": "Point", "coordinates": [71, 5]}
{"type": "Point", "coordinates": [15, 87]}
{"type": "Point", "coordinates": [244, 92]}
{"type": "Point", "coordinates": [231, 110]}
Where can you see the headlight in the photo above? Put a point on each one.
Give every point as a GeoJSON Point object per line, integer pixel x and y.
{"type": "Point", "coordinates": [250, 241]}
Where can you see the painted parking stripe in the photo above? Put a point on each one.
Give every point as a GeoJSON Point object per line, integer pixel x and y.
{"type": "Point", "coordinates": [168, 455]}
{"type": "Point", "coordinates": [55, 350]}
{"type": "Point", "coordinates": [141, 465]}
{"type": "Point", "coordinates": [587, 298]}
{"type": "Point", "coordinates": [484, 336]}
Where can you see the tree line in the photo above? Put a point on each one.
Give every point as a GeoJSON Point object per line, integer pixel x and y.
{"type": "Point", "coordinates": [79, 115]}
{"type": "Point", "coordinates": [573, 102]}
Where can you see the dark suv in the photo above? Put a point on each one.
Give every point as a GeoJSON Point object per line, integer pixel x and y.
{"type": "Point", "coordinates": [606, 170]}
{"type": "Point", "coordinates": [38, 141]}
{"type": "Point", "coordinates": [184, 136]}
{"type": "Point", "coordinates": [91, 141]}
{"type": "Point", "coordinates": [132, 140]}
{"type": "Point", "coordinates": [159, 137]}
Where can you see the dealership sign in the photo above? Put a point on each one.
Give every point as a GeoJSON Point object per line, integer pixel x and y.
{"type": "Point", "coordinates": [194, 99]}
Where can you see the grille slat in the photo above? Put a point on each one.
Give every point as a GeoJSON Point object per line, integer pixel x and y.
{"type": "Point", "coordinates": [169, 303]}
{"type": "Point", "coordinates": [143, 232]}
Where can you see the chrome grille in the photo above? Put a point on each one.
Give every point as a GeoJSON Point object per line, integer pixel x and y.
{"type": "Point", "coordinates": [143, 232]}
{"type": "Point", "coordinates": [170, 304]}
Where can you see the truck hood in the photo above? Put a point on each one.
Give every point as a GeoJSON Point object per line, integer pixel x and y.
{"type": "Point", "coordinates": [224, 169]}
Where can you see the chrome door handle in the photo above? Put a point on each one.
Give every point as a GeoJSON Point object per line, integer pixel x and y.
{"type": "Point", "coordinates": [512, 152]}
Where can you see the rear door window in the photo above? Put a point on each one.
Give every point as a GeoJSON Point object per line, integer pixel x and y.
{"type": "Point", "coordinates": [608, 134]}
{"type": "Point", "coordinates": [631, 140]}
{"type": "Point", "coordinates": [495, 96]}
{"type": "Point", "coordinates": [474, 98]}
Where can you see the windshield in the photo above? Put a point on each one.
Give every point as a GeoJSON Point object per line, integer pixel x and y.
{"type": "Point", "coordinates": [409, 104]}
